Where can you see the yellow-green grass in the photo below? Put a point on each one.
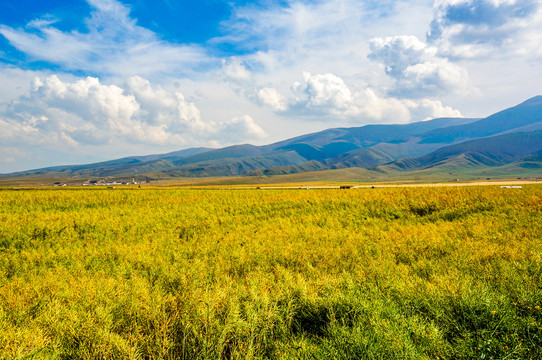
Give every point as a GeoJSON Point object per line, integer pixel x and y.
{"type": "Point", "coordinates": [404, 273]}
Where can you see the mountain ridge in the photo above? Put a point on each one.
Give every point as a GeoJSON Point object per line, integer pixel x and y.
{"type": "Point", "coordinates": [394, 147]}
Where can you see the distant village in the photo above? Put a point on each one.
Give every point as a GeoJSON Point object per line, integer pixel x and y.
{"type": "Point", "coordinates": [108, 183]}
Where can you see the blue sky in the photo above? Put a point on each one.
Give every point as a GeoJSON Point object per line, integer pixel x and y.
{"type": "Point", "coordinates": [91, 80]}
{"type": "Point", "coordinates": [177, 21]}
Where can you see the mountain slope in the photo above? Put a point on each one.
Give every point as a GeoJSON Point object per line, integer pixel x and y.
{"type": "Point", "coordinates": [306, 153]}
{"type": "Point", "coordinates": [132, 164]}
{"type": "Point", "coordinates": [318, 146]}
{"type": "Point", "coordinates": [490, 151]}
{"type": "Point", "coordinates": [369, 135]}
{"type": "Point", "coordinates": [524, 114]}
{"type": "Point", "coordinates": [328, 143]}
{"type": "Point", "coordinates": [444, 142]}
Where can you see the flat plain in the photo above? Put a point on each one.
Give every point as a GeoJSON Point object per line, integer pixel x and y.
{"type": "Point", "coordinates": [172, 273]}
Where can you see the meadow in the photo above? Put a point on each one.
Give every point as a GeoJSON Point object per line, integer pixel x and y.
{"type": "Point", "coordinates": [172, 273]}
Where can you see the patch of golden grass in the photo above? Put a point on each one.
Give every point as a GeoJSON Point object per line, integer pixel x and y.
{"type": "Point", "coordinates": [176, 273]}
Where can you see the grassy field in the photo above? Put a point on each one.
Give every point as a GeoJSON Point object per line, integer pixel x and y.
{"type": "Point", "coordinates": [394, 273]}
{"type": "Point", "coordinates": [351, 175]}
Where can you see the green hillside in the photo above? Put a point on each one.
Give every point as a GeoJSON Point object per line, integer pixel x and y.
{"type": "Point", "coordinates": [491, 151]}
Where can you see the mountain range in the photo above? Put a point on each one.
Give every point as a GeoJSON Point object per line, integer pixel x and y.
{"type": "Point", "coordinates": [512, 137]}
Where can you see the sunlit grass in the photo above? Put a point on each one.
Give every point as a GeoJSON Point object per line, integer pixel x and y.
{"type": "Point", "coordinates": [408, 273]}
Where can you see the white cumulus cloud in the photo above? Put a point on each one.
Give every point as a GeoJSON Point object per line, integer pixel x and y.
{"type": "Point", "coordinates": [321, 95]}
{"type": "Point", "coordinates": [393, 110]}
{"type": "Point", "coordinates": [426, 109]}
{"type": "Point", "coordinates": [326, 93]}
{"type": "Point", "coordinates": [271, 97]}
{"type": "Point", "coordinates": [241, 128]}
{"type": "Point", "coordinates": [234, 69]}
{"type": "Point", "coordinates": [165, 109]}
{"type": "Point", "coordinates": [88, 112]}
{"type": "Point", "coordinates": [484, 28]}
{"type": "Point", "coordinates": [416, 69]}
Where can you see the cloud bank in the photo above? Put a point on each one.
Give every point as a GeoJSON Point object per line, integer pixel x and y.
{"type": "Point", "coordinates": [328, 96]}
{"type": "Point", "coordinates": [416, 68]}
{"type": "Point", "coordinates": [483, 28]}
{"type": "Point", "coordinates": [87, 112]}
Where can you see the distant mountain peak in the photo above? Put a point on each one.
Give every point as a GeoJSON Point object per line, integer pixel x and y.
{"type": "Point", "coordinates": [536, 100]}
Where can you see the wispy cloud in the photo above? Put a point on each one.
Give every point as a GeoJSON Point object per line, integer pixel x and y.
{"type": "Point", "coordinates": [113, 45]}
{"type": "Point", "coordinates": [296, 22]}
